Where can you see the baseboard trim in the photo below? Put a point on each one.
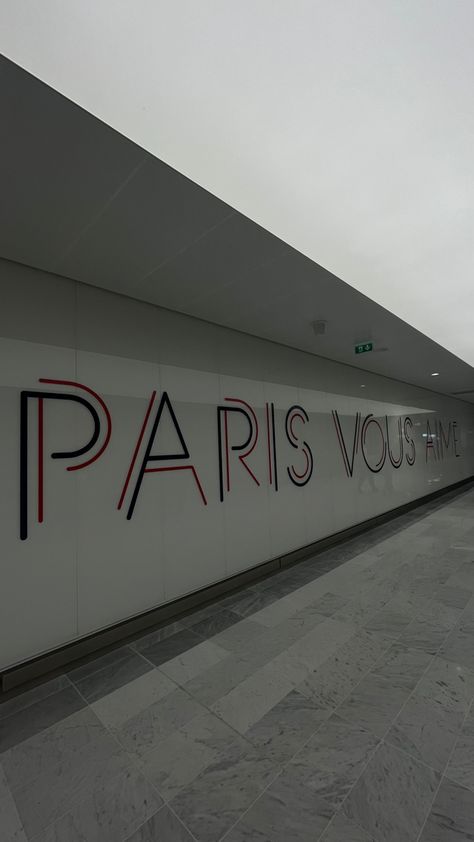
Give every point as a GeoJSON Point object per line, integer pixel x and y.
{"type": "Point", "coordinates": [54, 661]}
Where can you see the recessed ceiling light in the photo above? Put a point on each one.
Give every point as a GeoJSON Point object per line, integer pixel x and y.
{"type": "Point", "coordinates": [362, 385]}
{"type": "Point", "coordinates": [435, 373]}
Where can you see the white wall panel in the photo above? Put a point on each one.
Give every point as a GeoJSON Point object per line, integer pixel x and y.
{"type": "Point", "coordinates": [88, 565]}
{"type": "Point", "coordinates": [194, 530]}
{"type": "Point", "coordinates": [120, 569]}
{"type": "Point", "coordinates": [287, 511]}
{"type": "Point", "coordinates": [38, 575]}
{"type": "Point", "coordinates": [246, 504]}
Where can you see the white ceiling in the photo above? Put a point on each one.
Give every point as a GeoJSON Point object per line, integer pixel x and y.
{"type": "Point", "coordinates": [346, 128]}
{"type": "Point", "coordinates": [80, 200]}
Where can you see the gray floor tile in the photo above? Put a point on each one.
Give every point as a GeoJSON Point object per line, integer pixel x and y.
{"type": "Point", "coordinates": [103, 682]}
{"type": "Point", "coordinates": [180, 758]}
{"type": "Point", "coordinates": [218, 622]}
{"type": "Point", "coordinates": [38, 716]}
{"type": "Point", "coordinates": [158, 652]}
{"type": "Point", "coordinates": [235, 597]}
{"type": "Point", "coordinates": [328, 604]}
{"type": "Point", "coordinates": [305, 575]}
{"type": "Point", "coordinates": [426, 730]}
{"type": "Point", "coordinates": [453, 597]}
{"type": "Point", "coordinates": [425, 635]}
{"type": "Point", "coordinates": [342, 829]}
{"type": "Point", "coordinates": [36, 694]}
{"type": "Point", "coordinates": [74, 778]}
{"type": "Point", "coordinates": [208, 610]}
{"type": "Point", "coordinates": [250, 603]}
{"type": "Point", "coordinates": [464, 577]}
{"type": "Point", "coordinates": [331, 683]}
{"type": "Point", "coordinates": [286, 727]}
{"type": "Point", "coordinates": [216, 682]}
{"type": "Point", "coordinates": [247, 703]}
{"type": "Point", "coordinates": [448, 684]}
{"type": "Point", "coordinates": [4, 789]}
{"type": "Point", "coordinates": [299, 624]}
{"type": "Point", "coordinates": [98, 663]}
{"type": "Point", "coordinates": [11, 829]}
{"type": "Point", "coordinates": [120, 705]}
{"type": "Point", "coordinates": [389, 621]}
{"type": "Point", "coordinates": [452, 816]}
{"type": "Point", "coordinates": [467, 618]}
{"type": "Point", "coordinates": [118, 807]}
{"type": "Point", "coordinates": [241, 636]}
{"type": "Point", "coordinates": [218, 797]}
{"type": "Point", "coordinates": [402, 662]}
{"type": "Point", "coordinates": [284, 586]}
{"type": "Point", "coordinates": [287, 812]}
{"type": "Point", "coordinates": [264, 643]}
{"type": "Point", "coordinates": [41, 754]}
{"type": "Point", "coordinates": [161, 633]}
{"type": "Point", "coordinates": [446, 616]}
{"type": "Point", "coordinates": [379, 697]}
{"type": "Point", "coordinates": [143, 732]}
{"type": "Point", "coordinates": [408, 601]}
{"type": "Point", "coordinates": [194, 661]}
{"type": "Point", "coordinates": [164, 826]}
{"type": "Point", "coordinates": [459, 647]}
{"type": "Point", "coordinates": [393, 796]}
{"type": "Point", "coordinates": [359, 611]}
{"type": "Point", "coordinates": [332, 760]}
{"type": "Point", "coordinates": [461, 764]}
{"type": "Point", "coordinates": [273, 579]}
{"type": "Point", "coordinates": [280, 610]}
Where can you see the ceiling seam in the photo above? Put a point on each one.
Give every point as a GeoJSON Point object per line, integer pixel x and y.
{"type": "Point", "coordinates": [187, 246]}
{"type": "Point", "coordinates": [99, 213]}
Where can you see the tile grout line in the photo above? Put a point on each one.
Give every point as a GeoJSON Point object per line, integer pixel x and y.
{"type": "Point", "coordinates": [164, 806]}
{"type": "Point", "coordinates": [443, 775]}
{"type": "Point", "coordinates": [181, 822]}
{"type": "Point", "coordinates": [338, 812]}
{"type": "Point", "coordinates": [9, 796]}
{"type": "Point", "coordinates": [35, 701]}
{"type": "Point", "coordinates": [470, 711]}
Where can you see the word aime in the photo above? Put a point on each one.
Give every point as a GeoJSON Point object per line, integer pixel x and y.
{"type": "Point", "coordinates": [145, 461]}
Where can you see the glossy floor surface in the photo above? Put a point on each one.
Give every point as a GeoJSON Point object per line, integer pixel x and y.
{"type": "Point", "coordinates": [331, 702]}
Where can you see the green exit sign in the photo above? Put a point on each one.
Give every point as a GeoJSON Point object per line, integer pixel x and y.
{"type": "Point", "coordinates": [363, 347]}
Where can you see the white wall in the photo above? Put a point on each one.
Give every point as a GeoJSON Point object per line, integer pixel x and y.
{"type": "Point", "coordinates": [86, 566]}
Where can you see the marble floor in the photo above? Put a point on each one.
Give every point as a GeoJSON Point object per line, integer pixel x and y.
{"type": "Point", "coordinates": [331, 702]}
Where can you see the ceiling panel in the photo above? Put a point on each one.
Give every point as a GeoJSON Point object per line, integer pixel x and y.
{"type": "Point", "coordinates": [58, 168]}
{"type": "Point", "coordinates": [124, 244]}
{"type": "Point", "coordinates": [222, 257]}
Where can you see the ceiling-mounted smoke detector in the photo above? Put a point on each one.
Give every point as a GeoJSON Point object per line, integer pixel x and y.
{"type": "Point", "coordinates": [319, 327]}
